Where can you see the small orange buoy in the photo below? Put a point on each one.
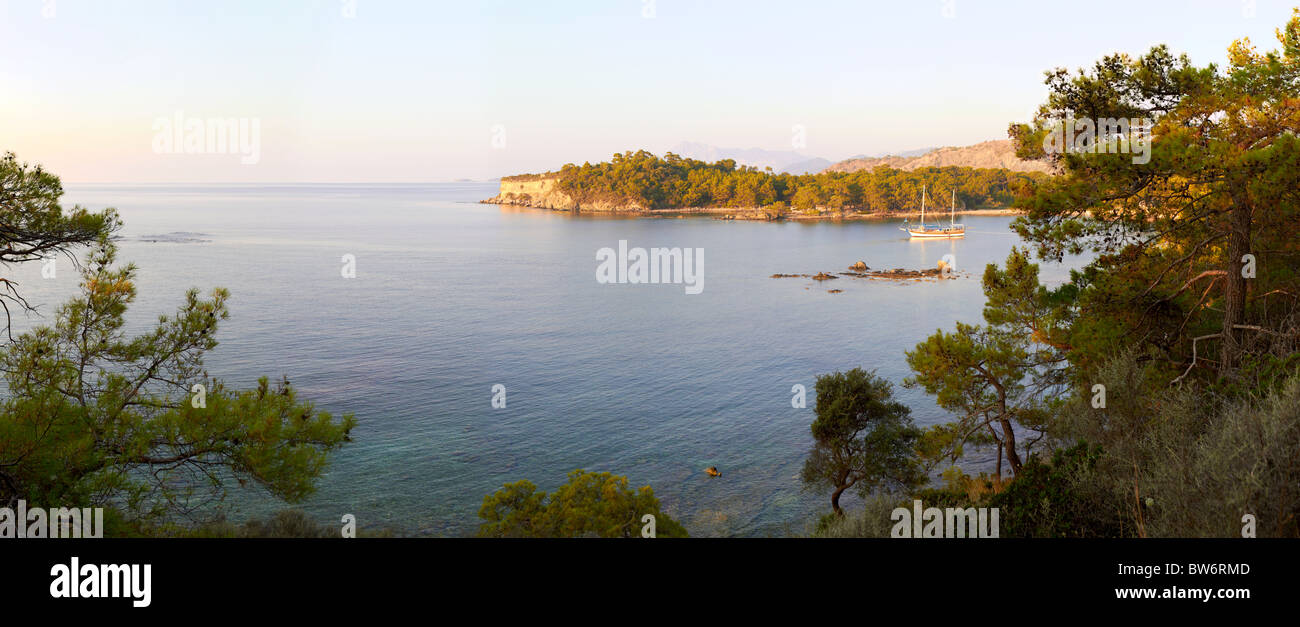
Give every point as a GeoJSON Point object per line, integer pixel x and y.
{"type": "Point", "coordinates": [713, 471]}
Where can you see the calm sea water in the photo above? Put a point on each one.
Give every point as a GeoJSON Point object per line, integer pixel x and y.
{"type": "Point", "coordinates": [452, 297]}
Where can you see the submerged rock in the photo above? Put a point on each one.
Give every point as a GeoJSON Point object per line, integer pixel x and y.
{"type": "Point", "coordinates": [176, 237]}
{"type": "Point", "coordinates": [860, 270]}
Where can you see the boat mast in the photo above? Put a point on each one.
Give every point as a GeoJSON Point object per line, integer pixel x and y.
{"type": "Point", "coordinates": [923, 206]}
{"type": "Point", "coordinates": [952, 217]}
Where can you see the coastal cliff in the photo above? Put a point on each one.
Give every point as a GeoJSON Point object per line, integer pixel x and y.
{"type": "Point", "coordinates": [539, 192]}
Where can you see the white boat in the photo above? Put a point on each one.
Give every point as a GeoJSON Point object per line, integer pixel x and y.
{"type": "Point", "coordinates": [923, 230]}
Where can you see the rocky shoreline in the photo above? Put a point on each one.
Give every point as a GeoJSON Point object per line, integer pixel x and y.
{"type": "Point", "coordinates": [729, 213]}
{"type": "Point", "coordinates": [861, 270]}
{"type": "Point", "coordinates": [541, 191]}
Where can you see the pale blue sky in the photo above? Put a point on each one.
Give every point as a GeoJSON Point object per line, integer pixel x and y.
{"type": "Point", "coordinates": [417, 91]}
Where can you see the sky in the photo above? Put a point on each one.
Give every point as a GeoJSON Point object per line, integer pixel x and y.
{"type": "Point", "coordinates": [100, 91]}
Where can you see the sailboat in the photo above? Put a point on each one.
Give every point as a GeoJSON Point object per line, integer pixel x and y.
{"type": "Point", "coordinates": [953, 229]}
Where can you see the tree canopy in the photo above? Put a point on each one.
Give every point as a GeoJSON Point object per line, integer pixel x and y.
{"type": "Point", "coordinates": [1180, 333]}
{"type": "Point", "coordinates": [1197, 245]}
{"type": "Point", "coordinates": [590, 504]}
{"type": "Point", "coordinates": [998, 377]}
{"type": "Point", "coordinates": [94, 417]}
{"type": "Point", "coordinates": [34, 225]}
{"type": "Point", "coordinates": [862, 438]}
{"type": "Point", "coordinates": [641, 179]}
{"type": "Point", "coordinates": [136, 423]}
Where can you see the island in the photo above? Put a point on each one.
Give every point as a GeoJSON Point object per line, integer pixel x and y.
{"type": "Point", "coordinates": [643, 183]}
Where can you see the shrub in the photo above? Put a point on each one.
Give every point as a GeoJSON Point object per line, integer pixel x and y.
{"type": "Point", "coordinates": [1044, 500]}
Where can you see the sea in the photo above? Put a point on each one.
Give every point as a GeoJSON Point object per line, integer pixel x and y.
{"type": "Point", "coordinates": [411, 306]}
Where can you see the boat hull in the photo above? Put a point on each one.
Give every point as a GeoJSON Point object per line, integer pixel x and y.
{"type": "Point", "coordinates": [943, 234]}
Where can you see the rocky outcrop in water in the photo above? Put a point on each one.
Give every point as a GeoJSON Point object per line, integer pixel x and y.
{"type": "Point", "coordinates": [860, 270]}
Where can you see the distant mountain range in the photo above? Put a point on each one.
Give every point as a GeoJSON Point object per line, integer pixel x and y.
{"type": "Point", "coordinates": [779, 160]}
{"type": "Point", "coordinates": [990, 154]}
{"type": "Point", "coordinates": [906, 153]}
{"type": "Point", "coordinates": [1000, 153]}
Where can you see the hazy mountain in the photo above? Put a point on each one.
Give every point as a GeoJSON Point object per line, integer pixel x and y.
{"type": "Point", "coordinates": [906, 153]}
{"type": "Point", "coordinates": [990, 154]}
{"type": "Point", "coordinates": [779, 160]}
{"type": "Point", "coordinates": [811, 166]}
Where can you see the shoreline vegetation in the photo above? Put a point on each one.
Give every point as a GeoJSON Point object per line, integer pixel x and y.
{"type": "Point", "coordinates": [758, 214]}
{"type": "Point", "coordinates": [1181, 333]}
{"type": "Point", "coordinates": [646, 185]}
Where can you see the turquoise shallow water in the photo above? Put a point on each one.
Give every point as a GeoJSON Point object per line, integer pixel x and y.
{"type": "Point", "coordinates": [453, 297]}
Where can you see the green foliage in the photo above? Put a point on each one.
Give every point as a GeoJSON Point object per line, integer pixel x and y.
{"type": "Point", "coordinates": [960, 490]}
{"type": "Point", "coordinates": [995, 377]}
{"type": "Point", "coordinates": [98, 418]}
{"type": "Point", "coordinates": [33, 225]}
{"type": "Point", "coordinates": [871, 521]}
{"type": "Point", "coordinates": [591, 504]}
{"type": "Point", "coordinates": [288, 523]}
{"type": "Point", "coordinates": [1262, 374]}
{"type": "Point", "coordinates": [641, 179]}
{"type": "Point", "coordinates": [1169, 236]}
{"type": "Point", "coordinates": [943, 498]}
{"type": "Point", "coordinates": [776, 209]}
{"type": "Point", "coordinates": [1202, 459]}
{"type": "Point", "coordinates": [1242, 461]}
{"type": "Point", "coordinates": [1042, 501]}
{"type": "Point", "coordinates": [863, 438]}
{"type": "Point", "coordinates": [1168, 448]}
